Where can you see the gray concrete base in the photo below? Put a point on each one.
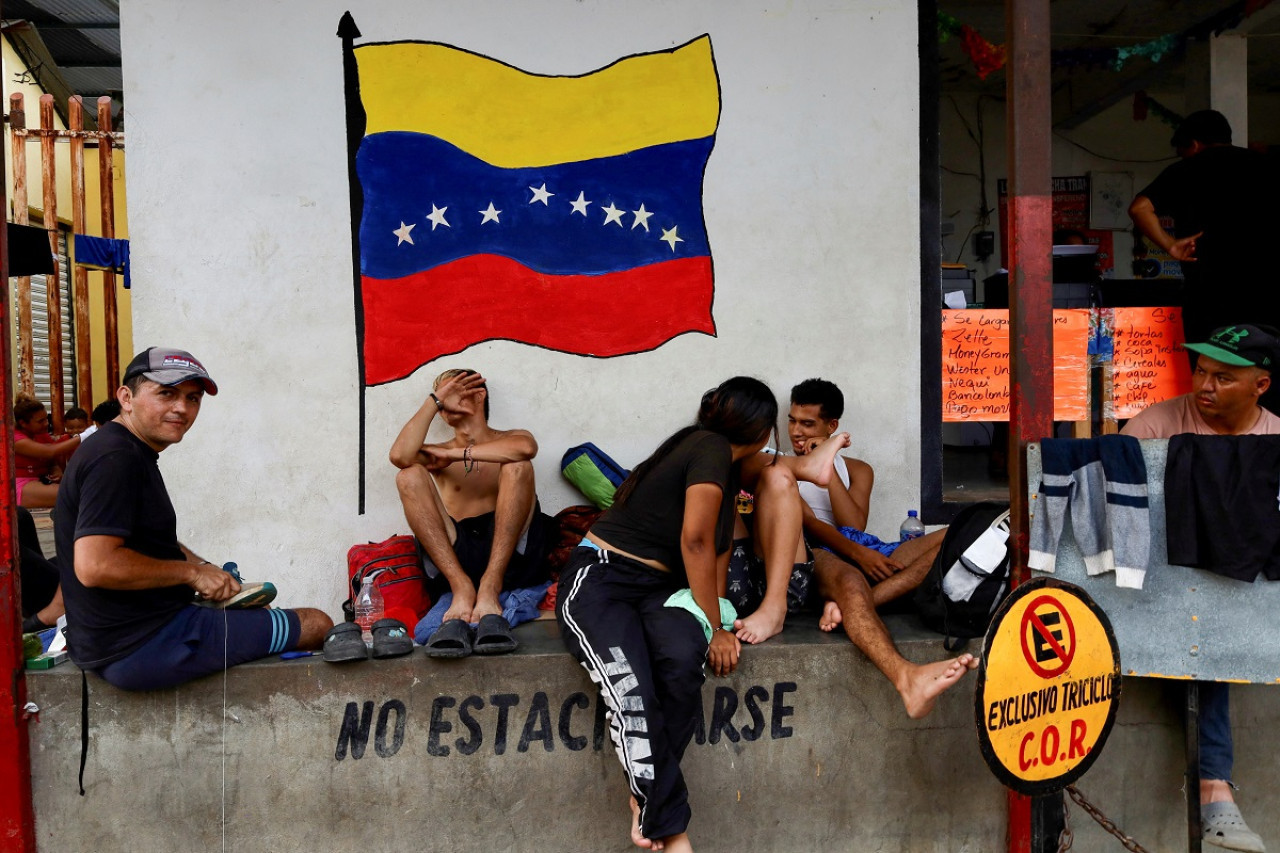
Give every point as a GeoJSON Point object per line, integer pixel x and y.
{"type": "Point", "coordinates": [806, 748]}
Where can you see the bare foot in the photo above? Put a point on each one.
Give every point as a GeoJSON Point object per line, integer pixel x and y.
{"type": "Point", "coordinates": [922, 685]}
{"type": "Point", "coordinates": [816, 466]}
{"type": "Point", "coordinates": [637, 838]}
{"type": "Point", "coordinates": [760, 626]}
{"type": "Point", "coordinates": [678, 843]}
{"type": "Point", "coordinates": [1215, 791]}
{"type": "Point", "coordinates": [460, 608]}
{"type": "Point", "coordinates": [484, 606]}
{"type": "Point", "coordinates": [831, 617]}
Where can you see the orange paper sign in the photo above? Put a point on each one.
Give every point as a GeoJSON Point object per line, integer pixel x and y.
{"type": "Point", "coordinates": [1149, 364]}
{"type": "Point", "coordinates": [975, 365]}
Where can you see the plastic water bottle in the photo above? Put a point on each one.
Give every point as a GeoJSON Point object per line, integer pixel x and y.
{"type": "Point", "coordinates": [911, 528]}
{"type": "Point", "coordinates": [369, 607]}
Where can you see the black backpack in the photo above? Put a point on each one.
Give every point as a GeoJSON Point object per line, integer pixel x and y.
{"type": "Point", "coordinates": [961, 619]}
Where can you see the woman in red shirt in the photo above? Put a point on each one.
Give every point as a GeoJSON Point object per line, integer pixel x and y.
{"type": "Point", "coordinates": [38, 458]}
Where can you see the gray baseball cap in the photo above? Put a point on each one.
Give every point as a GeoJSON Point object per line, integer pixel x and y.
{"type": "Point", "coordinates": [168, 366]}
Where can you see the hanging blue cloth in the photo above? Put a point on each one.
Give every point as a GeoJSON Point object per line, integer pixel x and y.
{"type": "Point", "coordinates": [102, 253]}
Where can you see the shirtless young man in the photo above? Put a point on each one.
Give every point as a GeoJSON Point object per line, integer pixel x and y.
{"type": "Point", "coordinates": [470, 502]}
{"type": "Point", "coordinates": [859, 572]}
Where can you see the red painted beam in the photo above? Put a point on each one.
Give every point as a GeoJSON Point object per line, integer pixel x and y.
{"type": "Point", "coordinates": [17, 818]}
{"type": "Point", "coordinates": [1030, 254]}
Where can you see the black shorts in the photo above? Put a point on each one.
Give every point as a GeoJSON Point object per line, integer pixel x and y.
{"type": "Point", "coordinates": [746, 582]}
{"type": "Point", "coordinates": [528, 566]}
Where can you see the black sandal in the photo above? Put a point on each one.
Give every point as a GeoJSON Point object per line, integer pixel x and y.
{"type": "Point", "coordinates": [451, 640]}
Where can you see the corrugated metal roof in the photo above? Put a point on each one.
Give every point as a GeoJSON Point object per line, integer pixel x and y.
{"type": "Point", "coordinates": [80, 39]}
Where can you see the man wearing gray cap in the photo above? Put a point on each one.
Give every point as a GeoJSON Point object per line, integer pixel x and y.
{"type": "Point", "coordinates": [131, 588]}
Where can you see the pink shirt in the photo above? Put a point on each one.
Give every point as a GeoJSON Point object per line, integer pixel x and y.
{"type": "Point", "coordinates": [1179, 415]}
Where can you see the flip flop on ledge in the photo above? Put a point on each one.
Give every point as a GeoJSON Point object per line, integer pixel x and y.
{"type": "Point", "coordinates": [493, 636]}
{"type": "Point", "coordinates": [451, 640]}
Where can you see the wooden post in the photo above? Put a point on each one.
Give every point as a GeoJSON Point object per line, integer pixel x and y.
{"type": "Point", "coordinates": [26, 355]}
{"type": "Point", "coordinates": [106, 183]}
{"type": "Point", "coordinates": [53, 290]}
{"type": "Point", "coordinates": [84, 354]}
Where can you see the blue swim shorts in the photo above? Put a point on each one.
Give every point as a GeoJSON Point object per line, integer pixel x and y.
{"type": "Point", "coordinates": [201, 640]}
{"type": "Point", "coordinates": [875, 543]}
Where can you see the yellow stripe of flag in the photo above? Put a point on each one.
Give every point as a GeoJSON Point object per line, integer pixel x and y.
{"type": "Point", "coordinates": [510, 118]}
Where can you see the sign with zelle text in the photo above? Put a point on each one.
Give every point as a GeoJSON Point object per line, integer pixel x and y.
{"type": "Point", "coordinates": [1048, 687]}
{"type": "Point", "coordinates": [976, 367]}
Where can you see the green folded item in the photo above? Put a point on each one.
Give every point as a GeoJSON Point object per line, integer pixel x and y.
{"type": "Point", "coordinates": [684, 600]}
{"type": "Point", "coordinates": [32, 647]}
{"type": "Point", "coordinates": [48, 660]}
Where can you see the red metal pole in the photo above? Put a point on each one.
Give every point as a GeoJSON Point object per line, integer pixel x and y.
{"type": "Point", "coordinates": [17, 817]}
{"type": "Point", "coordinates": [1029, 124]}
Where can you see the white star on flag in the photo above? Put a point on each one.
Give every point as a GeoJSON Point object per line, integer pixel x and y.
{"type": "Point", "coordinates": [541, 194]}
{"type": "Point", "coordinates": [579, 204]}
{"type": "Point", "coordinates": [613, 214]}
{"type": "Point", "coordinates": [671, 238]}
{"type": "Point", "coordinates": [641, 218]}
{"type": "Point", "coordinates": [490, 215]}
{"type": "Point", "coordinates": [403, 233]}
{"type": "Point", "coordinates": [436, 217]}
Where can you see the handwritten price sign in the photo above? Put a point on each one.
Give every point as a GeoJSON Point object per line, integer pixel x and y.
{"type": "Point", "coordinates": [975, 365]}
{"type": "Point", "coordinates": [1149, 363]}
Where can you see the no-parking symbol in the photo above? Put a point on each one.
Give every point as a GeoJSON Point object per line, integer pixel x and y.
{"type": "Point", "coordinates": [1048, 637]}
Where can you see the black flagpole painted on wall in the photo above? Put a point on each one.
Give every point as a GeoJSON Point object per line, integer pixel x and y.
{"type": "Point", "coordinates": [349, 32]}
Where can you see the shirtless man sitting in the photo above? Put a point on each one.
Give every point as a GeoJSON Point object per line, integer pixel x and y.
{"type": "Point", "coordinates": [470, 502]}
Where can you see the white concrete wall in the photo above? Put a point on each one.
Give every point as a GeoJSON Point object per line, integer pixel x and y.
{"type": "Point", "coordinates": [241, 250]}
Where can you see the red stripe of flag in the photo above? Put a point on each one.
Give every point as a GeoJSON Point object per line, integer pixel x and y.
{"type": "Point", "coordinates": [416, 319]}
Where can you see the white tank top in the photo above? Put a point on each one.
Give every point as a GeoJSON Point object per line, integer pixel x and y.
{"type": "Point", "coordinates": [817, 497]}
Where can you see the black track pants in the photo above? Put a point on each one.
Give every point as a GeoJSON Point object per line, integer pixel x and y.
{"type": "Point", "coordinates": [647, 660]}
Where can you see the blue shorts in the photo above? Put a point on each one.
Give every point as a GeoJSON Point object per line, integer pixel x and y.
{"type": "Point", "coordinates": [201, 640]}
{"type": "Point", "coordinates": [866, 540]}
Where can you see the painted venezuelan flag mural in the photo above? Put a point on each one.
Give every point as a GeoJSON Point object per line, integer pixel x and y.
{"type": "Point", "coordinates": [563, 212]}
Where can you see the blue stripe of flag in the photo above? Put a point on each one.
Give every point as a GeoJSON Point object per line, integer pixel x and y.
{"type": "Point", "coordinates": [404, 176]}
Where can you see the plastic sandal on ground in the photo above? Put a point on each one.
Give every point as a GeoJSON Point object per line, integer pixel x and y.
{"type": "Point", "coordinates": [451, 640]}
{"type": "Point", "coordinates": [344, 642]}
{"type": "Point", "coordinates": [390, 639]}
{"type": "Point", "coordinates": [1225, 827]}
{"type": "Point", "coordinates": [493, 636]}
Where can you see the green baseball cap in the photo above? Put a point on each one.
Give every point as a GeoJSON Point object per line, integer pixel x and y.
{"type": "Point", "coordinates": [1242, 345]}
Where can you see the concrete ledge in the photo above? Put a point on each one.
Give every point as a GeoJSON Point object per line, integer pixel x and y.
{"type": "Point", "coordinates": [805, 748]}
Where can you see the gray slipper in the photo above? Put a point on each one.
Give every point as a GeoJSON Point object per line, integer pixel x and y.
{"type": "Point", "coordinates": [1224, 826]}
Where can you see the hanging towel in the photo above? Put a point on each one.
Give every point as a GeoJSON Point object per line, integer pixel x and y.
{"type": "Point", "coordinates": [1221, 505]}
{"type": "Point", "coordinates": [102, 253]}
{"type": "Point", "coordinates": [1102, 482]}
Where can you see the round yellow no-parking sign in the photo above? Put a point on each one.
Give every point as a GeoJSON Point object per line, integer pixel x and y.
{"type": "Point", "coordinates": [1048, 686]}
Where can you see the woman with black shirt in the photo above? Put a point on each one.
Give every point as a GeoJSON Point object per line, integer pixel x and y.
{"type": "Point", "coordinates": [670, 527]}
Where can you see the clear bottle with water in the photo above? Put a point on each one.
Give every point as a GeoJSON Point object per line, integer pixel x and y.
{"type": "Point", "coordinates": [369, 607]}
{"type": "Point", "coordinates": [912, 528]}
